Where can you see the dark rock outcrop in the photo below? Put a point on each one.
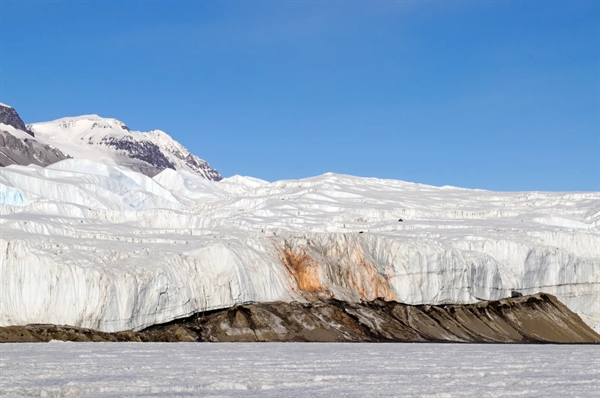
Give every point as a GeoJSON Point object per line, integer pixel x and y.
{"type": "Point", "coordinates": [10, 117]}
{"type": "Point", "coordinates": [26, 151]}
{"type": "Point", "coordinates": [156, 158]}
{"type": "Point", "coordinates": [146, 151]}
{"type": "Point", "coordinates": [538, 318]}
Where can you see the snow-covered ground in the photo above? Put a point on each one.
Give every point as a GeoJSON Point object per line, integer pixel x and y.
{"type": "Point", "coordinates": [298, 370]}
{"type": "Point", "coordinates": [100, 246]}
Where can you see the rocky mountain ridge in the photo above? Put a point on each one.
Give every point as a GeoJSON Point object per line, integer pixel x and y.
{"type": "Point", "coordinates": [10, 117]}
{"type": "Point", "coordinates": [95, 138]}
{"type": "Point", "coordinates": [14, 150]}
{"type": "Point", "coordinates": [18, 145]}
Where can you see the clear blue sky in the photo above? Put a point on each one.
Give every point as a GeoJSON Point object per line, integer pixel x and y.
{"type": "Point", "coordinates": [495, 95]}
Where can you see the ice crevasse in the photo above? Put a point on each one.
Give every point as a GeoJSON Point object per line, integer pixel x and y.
{"type": "Point", "coordinates": [100, 246]}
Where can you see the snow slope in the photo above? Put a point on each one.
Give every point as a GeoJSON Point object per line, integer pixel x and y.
{"type": "Point", "coordinates": [99, 246]}
{"type": "Point", "coordinates": [19, 147]}
{"type": "Point", "coordinates": [110, 141]}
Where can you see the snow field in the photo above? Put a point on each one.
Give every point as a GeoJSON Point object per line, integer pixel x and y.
{"type": "Point", "coordinates": [298, 370]}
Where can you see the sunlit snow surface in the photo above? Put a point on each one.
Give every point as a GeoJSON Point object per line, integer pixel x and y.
{"type": "Point", "coordinates": [298, 370]}
{"type": "Point", "coordinates": [100, 246]}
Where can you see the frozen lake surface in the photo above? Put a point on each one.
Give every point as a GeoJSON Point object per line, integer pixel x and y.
{"type": "Point", "coordinates": [298, 370]}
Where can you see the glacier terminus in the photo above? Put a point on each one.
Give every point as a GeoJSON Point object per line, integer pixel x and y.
{"type": "Point", "coordinates": [98, 243]}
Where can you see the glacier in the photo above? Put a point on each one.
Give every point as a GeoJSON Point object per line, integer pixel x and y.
{"type": "Point", "coordinates": [100, 246]}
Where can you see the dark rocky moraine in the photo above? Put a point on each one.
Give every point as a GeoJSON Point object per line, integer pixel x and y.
{"type": "Point", "coordinates": [539, 318]}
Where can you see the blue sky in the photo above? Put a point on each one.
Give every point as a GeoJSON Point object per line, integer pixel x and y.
{"type": "Point", "coordinates": [495, 95]}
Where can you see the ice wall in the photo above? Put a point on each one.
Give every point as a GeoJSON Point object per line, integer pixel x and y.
{"type": "Point", "coordinates": [100, 246]}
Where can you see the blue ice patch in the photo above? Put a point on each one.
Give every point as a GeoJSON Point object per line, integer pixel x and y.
{"type": "Point", "coordinates": [12, 196]}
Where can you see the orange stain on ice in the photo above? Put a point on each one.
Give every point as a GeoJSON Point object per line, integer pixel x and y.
{"type": "Point", "coordinates": [369, 283]}
{"type": "Point", "coordinates": [360, 275]}
{"type": "Point", "coordinates": [304, 270]}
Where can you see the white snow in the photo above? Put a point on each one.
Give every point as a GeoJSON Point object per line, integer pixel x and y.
{"type": "Point", "coordinates": [71, 136]}
{"type": "Point", "coordinates": [20, 134]}
{"type": "Point", "coordinates": [99, 246]}
{"type": "Point", "coordinates": [4, 105]}
{"type": "Point", "coordinates": [298, 370]}
{"type": "Point", "coordinates": [90, 136]}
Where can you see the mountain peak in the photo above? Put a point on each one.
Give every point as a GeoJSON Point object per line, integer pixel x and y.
{"type": "Point", "coordinates": [78, 124]}
{"type": "Point", "coordinates": [18, 145]}
{"type": "Point", "coordinates": [110, 140]}
{"type": "Point", "coordinates": [10, 117]}
{"type": "Point", "coordinates": [96, 138]}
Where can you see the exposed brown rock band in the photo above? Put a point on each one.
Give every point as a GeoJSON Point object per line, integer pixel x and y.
{"type": "Point", "coordinates": [538, 318]}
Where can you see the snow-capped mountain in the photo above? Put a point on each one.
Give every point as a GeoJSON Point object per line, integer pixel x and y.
{"type": "Point", "coordinates": [111, 141]}
{"type": "Point", "coordinates": [95, 138]}
{"type": "Point", "coordinates": [18, 144]}
{"type": "Point", "coordinates": [101, 246]}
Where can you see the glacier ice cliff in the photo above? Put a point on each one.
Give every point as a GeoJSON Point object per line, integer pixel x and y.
{"type": "Point", "coordinates": [100, 246]}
